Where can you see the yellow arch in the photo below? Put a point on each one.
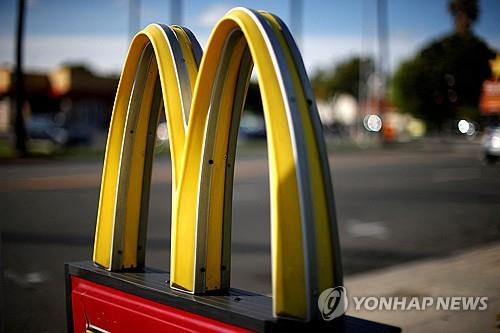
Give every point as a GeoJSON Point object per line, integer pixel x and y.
{"type": "Point", "coordinates": [305, 256]}
{"type": "Point", "coordinates": [156, 51]}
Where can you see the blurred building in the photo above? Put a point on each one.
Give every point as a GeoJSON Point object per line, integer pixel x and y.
{"type": "Point", "coordinates": [82, 99]}
{"type": "Point", "coordinates": [490, 94]}
{"type": "Point", "coordinates": [38, 92]}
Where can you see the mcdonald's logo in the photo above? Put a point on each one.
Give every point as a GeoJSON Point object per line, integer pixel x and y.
{"type": "Point", "coordinates": [202, 95]}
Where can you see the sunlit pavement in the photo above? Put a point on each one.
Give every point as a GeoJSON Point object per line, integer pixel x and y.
{"type": "Point", "coordinates": [474, 272]}
{"type": "Point", "coordinates": [394, 206]}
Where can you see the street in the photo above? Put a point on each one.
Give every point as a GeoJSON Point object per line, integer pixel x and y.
{"type": "Point", "coordinates": [393, 206]}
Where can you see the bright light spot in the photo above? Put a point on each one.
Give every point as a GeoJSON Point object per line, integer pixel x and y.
{"type": "Point", "coordinates": [471, 130]}
{"type": "Point", "coordinates": [416, 128]}
{"type": "Point", "coordinates": [372, 123]}
{"type": "Point", "coordinates": [495, 142]}
{"type": "Point", "coordinates": [162, 132]}
{"type": "Point", "coordinates": [463, 126]}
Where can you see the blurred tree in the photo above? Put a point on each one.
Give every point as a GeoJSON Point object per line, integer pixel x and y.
{"type": "Point", "coordinates": [343, 78]}
{"type": "Point", "coordinates": [444, 79]}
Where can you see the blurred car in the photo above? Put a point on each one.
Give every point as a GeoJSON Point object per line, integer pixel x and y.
{"type": "Point", "coordinates": [491, 144]}
{"type": "Point", "coordinates": [42, 127]}
{"type": "Point", "coordinates": [252, 126]}
{"type": "Point", "coordinates": [161, 143]}
{"type": "Point", "coordinates": [79, 134]}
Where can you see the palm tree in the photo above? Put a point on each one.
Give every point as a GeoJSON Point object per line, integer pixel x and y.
{"type": "Point", "coordinates": [465, 13]}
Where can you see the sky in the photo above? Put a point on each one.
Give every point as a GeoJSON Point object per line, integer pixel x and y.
{"type": "Point", "coordinates": [97, 32]}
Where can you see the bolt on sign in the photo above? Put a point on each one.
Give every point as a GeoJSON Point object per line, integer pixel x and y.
{"type": "Point", "coordinates": [202, 95]}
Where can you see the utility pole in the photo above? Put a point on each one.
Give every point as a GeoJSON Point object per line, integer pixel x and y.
{"type": "Point", "coordinates": [134, 17]}
{"type": "Point", "coordinates": [19, 128]}
{"type": "Point", "coordinates": [176, 12]}
{"type": "Point", "coordinates": [296, 12]}
{"type": "Point", "coordinates": [383, 51]}
{"type": "Point", "coordinates": [365, 71]}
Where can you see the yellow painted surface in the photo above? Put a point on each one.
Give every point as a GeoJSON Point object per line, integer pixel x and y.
{"type": "Point", "coordinates": [197, 211]}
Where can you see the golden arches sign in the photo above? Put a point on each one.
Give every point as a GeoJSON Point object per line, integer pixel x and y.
{"type": "Point", "coordinates": [203, 96]}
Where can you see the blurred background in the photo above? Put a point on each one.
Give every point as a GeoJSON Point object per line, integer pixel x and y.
{"type": "Point", "coordinates": [408, 93]}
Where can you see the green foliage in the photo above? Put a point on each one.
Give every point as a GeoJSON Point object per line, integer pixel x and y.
{"type": "Point", "coordinates": [444, 80]}
{"type": "Point", "coordinates": [343, 78]}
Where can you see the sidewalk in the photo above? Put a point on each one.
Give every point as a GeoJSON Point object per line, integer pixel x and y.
{"type": "Point", "coordinates": [472, 273]}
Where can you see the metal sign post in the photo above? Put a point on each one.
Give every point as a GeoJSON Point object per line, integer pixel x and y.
{"type": "Point", "coordinates": [203, 96]}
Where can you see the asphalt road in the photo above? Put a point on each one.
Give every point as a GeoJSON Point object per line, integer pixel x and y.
{"type": "Point", "coordinates": [393, 206]}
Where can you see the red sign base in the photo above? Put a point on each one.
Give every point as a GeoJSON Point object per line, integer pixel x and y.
{"type": "Point", "coordinates": [102, 301]}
